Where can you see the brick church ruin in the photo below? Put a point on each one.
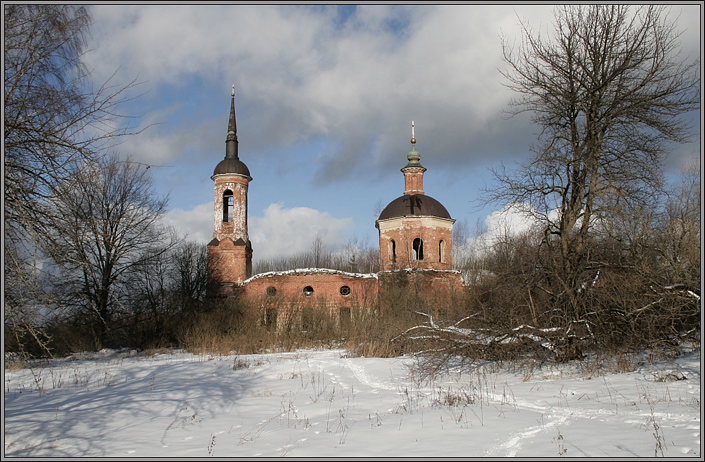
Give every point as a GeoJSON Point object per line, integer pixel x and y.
{"type": "Point", "coordinates": [415, 249]}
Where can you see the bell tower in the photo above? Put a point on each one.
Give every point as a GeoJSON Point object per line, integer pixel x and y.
{"type": "Point", "coordinates": [230, 251]}
{"type": "Point", "coordinates": [415, 230]}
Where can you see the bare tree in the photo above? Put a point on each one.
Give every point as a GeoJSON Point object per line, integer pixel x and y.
{"type": "Point", "coordinates": [53, 120]}
{"type": "Point", "coordinates": [164, 292]}
{"type": "Point", "coordinates": [190, 275]}
{"type": "Point", "coordinates": [354, 257]}
{"type": "Point", "coordinates": [682, 223]}
{"type": "Point", "coordinates": [318, 252]}
{"type": "Point", "coordinates": [103, 224]}
{"type": "Point", "coordinates": [607, 92]}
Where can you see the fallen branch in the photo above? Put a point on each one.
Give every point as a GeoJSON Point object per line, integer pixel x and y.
{"type": "Point", "coordinates": [451, 340]}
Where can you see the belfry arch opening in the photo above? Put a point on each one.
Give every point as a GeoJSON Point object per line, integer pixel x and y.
{"type": "Point", "coordinates": [228, 206]}
{"type": "Point", "coordinates": [417, 248]}
{"type": "Point", "coordinates": [393, 250]}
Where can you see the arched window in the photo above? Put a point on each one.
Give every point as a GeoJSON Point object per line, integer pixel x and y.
{"type": "Point", "coordinates": [418, 249]}
{"type": "Point", "coordinates": [442, 251]}
{"type": "Point", "coordinates": [393, 250]}
{"type": "Point", "coordinates": [228, 206]}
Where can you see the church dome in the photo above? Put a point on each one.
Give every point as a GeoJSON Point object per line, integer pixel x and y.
{"type": "Point", "coordinates": [231, 165]}
{"type": "Point", "coordinates": [414, 205]}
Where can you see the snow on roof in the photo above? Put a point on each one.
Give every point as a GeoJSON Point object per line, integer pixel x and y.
{"type": "Point", "coordinates": [420, 270]}
{"type": "Point", "coordinates": [303, 271]}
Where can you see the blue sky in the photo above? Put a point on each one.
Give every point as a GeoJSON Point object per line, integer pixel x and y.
{"type": "Point", "coordinates": [325, 98]}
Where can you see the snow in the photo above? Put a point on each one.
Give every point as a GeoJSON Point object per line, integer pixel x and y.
{"type": "Point", "coordinates": [421, 270]}
{"type": "Point", "coordinates": [306, 271]}
{"type": "Point", "coordinates": [324, 403]}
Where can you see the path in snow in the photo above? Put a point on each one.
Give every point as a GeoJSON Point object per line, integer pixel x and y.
{"type": "Point", "coordinates": [326, 404]}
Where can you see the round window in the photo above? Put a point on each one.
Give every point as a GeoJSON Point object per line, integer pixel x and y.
{"type": "Point", "coordinates": [345, 290]}
{"type": "Point", "coordinates": [308, 290]}
{"type": "Point", "coordinates": [271, 291]}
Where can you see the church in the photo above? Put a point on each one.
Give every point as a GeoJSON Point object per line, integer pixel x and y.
{"type": "Point", "coordinates": [415, 249]}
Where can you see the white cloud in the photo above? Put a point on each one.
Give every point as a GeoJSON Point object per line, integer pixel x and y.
{"type": "Point", "coordinates": [305, 75]}
{"type": "Point", "coordinates": [189, 141]}
{"type": "Point", "coordinates": [283, 232]}
{"type": "Point", "coordinates": [279, 232]}
{"type": "Point", "coordinates": [513, 220]}
{"type": "Point", "coordinates": [360, 83]}
{"type": "Point", "coordinates": [196, 224]}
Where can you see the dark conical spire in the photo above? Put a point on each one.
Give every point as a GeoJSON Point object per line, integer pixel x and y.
{"type": "Point", "coordinates": [231, 140]}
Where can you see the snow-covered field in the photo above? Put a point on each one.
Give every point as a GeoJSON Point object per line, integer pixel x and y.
{"type": "Point", "coordinates": [326, 404]}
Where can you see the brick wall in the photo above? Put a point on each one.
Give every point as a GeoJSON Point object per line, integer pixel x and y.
{"type": "Point", "coordinates": [237, 228]}
{"type": "Point", "coordinates": [437, 290]}
{"type": "Point", "coordinates": [312, 288]}
{"type": "Point", "coordinates": [228, 262]}
{"type": "Point", "coordinates": [413, 180]}
{"type": "Point", "coordinates": [403, 231]}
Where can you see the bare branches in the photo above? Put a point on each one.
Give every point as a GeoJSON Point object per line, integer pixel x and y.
{"type": "Point", "coordinates": [441, 344]}
{"type": "Point", "coordinates": [55, 123]}
{"type": "Point", "coordinates": [53, 119]}
{"type": "Point", "coordinates": [636, 285]}
{"type": "Point", "coordinates": [607, 91]}
{"type": "Point", "coordinates": [354, 257]}
{"type": "Point", "coordinates": [103, 225]}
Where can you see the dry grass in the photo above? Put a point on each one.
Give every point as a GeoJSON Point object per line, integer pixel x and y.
{"type": "Point", "coordinates": [455, 398]}
{"type": "Point", "coordinates": [156, 351]}
{"type": "Point", "coordinates": [233, 328]}
{"type": "Point", "coordinates": [15, 361]}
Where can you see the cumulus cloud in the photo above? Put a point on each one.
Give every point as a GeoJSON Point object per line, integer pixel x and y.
{"type": "Point", "coordinates": [513, 220]}
{"type": "Point", "coordinates": [283, 232]}
{"type": "Point", "coordinates": [158, 145]}
{"type": "Point", "coordinates": [356, 74]}
{"type": "Point", "coordinates": [305, 73]}
{"type": "Point", "coordinates": [279, 232]}
{"type": "Point", "coordinates": [195, 224]}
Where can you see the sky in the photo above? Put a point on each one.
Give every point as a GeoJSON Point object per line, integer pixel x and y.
{"type": "Point", "coordinates": [326, 404]}
{"type": "Point", "coordinates": [325, 99]}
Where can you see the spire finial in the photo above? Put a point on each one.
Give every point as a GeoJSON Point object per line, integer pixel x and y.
{"type": "Point", "coordinates": [231, 140]}
{"type": "Point", "coordinates": [414, 156]}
